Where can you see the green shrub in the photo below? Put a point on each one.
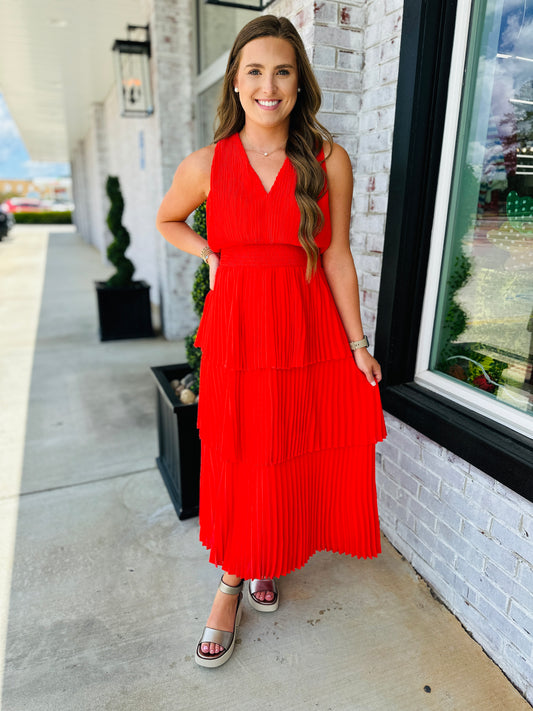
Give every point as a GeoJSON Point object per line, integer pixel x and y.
{"type": "Point", "coordinates": [116, 250]}
{"type": "Point", "coordinates": [43, 218]}
{"type": "Point", "coordinates": [194, 356]}
{"type": "Point", "coordinates": [199, 292]}
{"type": "Point", "coordinates": [200, 286]}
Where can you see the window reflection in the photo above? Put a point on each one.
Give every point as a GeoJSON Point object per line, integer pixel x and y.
{"type": "Point", "coordinates": [484, 325]}
{"type": "Point", "coordinates": [218, 26]}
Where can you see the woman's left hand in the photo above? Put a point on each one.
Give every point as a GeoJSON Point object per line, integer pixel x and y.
{"type": "Point", "coordinates": [368, 365]}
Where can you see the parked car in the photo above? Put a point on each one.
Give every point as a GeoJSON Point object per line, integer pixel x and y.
{"type": "Point", "coordinates": [22, 204]}
{"type": "Point", "coordinates": [60, 206]}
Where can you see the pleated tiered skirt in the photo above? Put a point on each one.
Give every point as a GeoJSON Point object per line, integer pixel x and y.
{"type": "Point", "coordinates": [288, 423]}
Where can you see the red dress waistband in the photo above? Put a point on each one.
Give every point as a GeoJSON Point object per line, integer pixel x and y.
{"type": "Point", "coordinates": [261, 255]}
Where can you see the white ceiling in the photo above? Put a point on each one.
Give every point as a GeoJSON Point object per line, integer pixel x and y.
{"type": "Point", "coordinates": [55, 61]}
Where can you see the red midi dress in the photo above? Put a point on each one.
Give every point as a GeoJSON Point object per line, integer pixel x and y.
{"type": "Point", "coordinates": [288, 423]}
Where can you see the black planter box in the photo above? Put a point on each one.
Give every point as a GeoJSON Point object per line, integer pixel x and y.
{"type": "Point", "coordinates": [124, 312]}
{"type": "Point", "coordinates": [179, 442]}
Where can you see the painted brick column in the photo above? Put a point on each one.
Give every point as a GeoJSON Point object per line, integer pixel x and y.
{"type": "Point", "coordinates": [94, 158]}
{"type": "Point", "coordinates": [338, 62]}
{"type": "Point", "coordinates": [80, 216]}
{"type": "Point", "coordinates": [372, 165]}
{"type": "Point", "coordinates": [334, 34]}
{"type": "Point", "coordinates": [171, 29]}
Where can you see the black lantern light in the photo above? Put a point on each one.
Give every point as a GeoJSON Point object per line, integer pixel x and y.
{"type": "Point", "coordinates": [244, 5]}
{"type": "Point", "coordinates": [132, 69]}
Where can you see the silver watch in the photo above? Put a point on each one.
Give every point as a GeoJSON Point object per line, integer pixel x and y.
{"type": "Point", "coordinates": [363, 343]}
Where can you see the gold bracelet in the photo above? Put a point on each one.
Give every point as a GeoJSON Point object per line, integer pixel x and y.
{"type": "Point", "coordinates": [206, 253]}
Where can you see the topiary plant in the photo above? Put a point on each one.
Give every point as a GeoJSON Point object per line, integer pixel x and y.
{"type": "Point", "coordinates": [200, 286]}
{"type": "Point", "coordinates": [199, 292]}
{"type": "Point", "coordinates": [455, 319]}
{"type": "Point", "coordinates": [116, 250]}
{"type": "Point", "coordinates": [468, 361]}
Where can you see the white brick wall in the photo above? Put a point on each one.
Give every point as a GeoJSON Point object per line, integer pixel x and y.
{"type": "Point", "coordinates": [354, 47]}
{"type": "Point", "coordinates": [467, 535]}
{"type": "Point", "coordinates": [171, 29]}
{"type": "Point", "coordinates": [381, 51]}
{"type": "Point", "coordinates": [338, 60]}
{"type": "Point", "coordinates": [80, 190]}
{"type": "Point", "coordinates": [89, 174]}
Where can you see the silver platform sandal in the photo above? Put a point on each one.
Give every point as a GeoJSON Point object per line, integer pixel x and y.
{"type": "Point", "coordinates": [224, 639]}
{"type": "Point", "coordinates": [266, 585]}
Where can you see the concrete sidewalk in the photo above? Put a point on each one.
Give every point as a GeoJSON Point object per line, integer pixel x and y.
{"type": "Point", "coordinates": [106, 592]}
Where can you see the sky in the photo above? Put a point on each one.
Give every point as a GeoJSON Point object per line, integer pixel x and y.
{"type": "Point", "coordinates": [14, 159]}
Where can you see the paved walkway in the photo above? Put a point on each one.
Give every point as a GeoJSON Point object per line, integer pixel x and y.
{"type": "Point", "coordinates": [104, 592]}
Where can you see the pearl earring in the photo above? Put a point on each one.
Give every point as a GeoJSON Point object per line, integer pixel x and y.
{"type": "Point", "coordinates": [235, 89]}
{"type": "Point", "coordinates": [299, 90]}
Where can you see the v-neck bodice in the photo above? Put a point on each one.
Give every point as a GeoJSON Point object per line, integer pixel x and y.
{"type": "Point", "coordinates": [254, 171]}
{"type": "Point", "coordinates": [239, 209]}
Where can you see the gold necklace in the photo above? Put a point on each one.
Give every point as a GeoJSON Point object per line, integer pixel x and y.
{"type": "Point", "coordinates": [266, 153]}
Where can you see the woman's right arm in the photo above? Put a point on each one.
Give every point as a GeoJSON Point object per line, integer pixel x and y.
{"type": "Point", "coordinates": [189, 189]}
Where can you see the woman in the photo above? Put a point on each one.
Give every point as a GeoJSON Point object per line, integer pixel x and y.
{"type": "Point", "coordinates": [288, 415]}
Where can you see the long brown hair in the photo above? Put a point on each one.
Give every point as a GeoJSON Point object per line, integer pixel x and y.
{"type": "Point", "coordinates": [306, 134]}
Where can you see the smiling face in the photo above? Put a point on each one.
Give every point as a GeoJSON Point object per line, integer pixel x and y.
{"type": "Point", "coordinates": [267, 80]}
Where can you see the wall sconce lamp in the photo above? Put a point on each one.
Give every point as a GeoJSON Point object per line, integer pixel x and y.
{"type": "Point", "coordinates": [132, 71]}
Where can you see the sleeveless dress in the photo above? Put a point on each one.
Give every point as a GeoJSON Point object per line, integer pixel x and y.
{"type": "Point", "coordinates": [288, 423]}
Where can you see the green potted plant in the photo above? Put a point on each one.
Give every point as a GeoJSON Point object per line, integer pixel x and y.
{"type": "Point", "coordinates": [123, 304]}
{"type": "Point", "coordinates": [468, 361]}
{"type": "Point", "coordinates": [177, 407]}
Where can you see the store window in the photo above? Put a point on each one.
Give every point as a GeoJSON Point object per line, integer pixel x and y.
{"type": "Point", "coordinates": [484, 323]}
{"type": "Point", "coordinates": [454, 325]}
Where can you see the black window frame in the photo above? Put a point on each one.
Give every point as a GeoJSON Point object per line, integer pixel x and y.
{"type": "Point", "coordinates": [425, 56]}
